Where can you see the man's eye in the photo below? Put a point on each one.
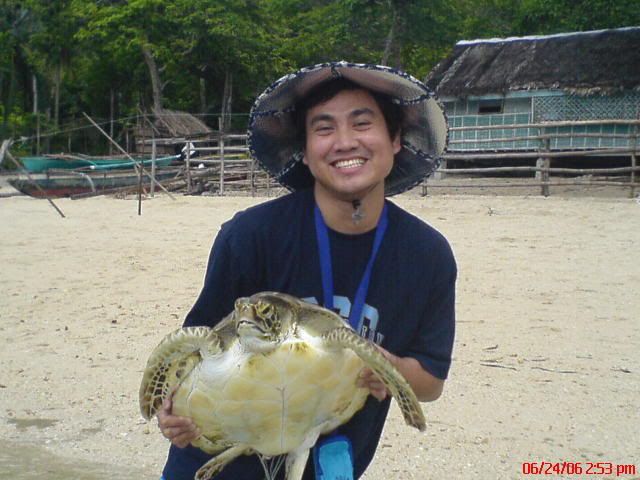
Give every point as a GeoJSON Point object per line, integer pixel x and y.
{"type": "Point", "coordinates": [323, 129]}
{"type": "Point", "coordinates": [362, 124]}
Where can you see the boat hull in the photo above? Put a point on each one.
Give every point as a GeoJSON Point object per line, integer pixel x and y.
{"type": "Point", "coordinates": [69, 186]}
{"type": "Point", "coordinates": [44, 163]}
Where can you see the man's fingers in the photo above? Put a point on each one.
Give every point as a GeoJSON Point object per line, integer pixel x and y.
{"type": "Point", "coordinates": [369, 380]}
{"type": "Point", "coordinates": [181, 441]}
{"type": "Point", "coordinates": [175, 421]}
{"type": "Point", "coordinates": [181, 431]}
{"type": "Point", "coordinates": [178, 433]}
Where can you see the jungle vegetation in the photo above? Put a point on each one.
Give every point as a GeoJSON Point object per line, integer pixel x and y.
{"type": "Point", "coordinates": [116, 58]}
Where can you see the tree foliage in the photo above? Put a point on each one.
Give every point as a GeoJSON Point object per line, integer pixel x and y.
{"type": "Point", "coordinates": [88, 55]}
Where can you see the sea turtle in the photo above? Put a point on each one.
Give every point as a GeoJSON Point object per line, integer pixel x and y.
{"type": "Point", "coordinates": [270, 378]}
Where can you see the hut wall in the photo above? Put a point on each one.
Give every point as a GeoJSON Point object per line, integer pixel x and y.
{"type": "Point", "coordinates": [521, 108]}
{"type": "Point", "coordinates": [623, 106]}
{"type": "Point", "coordinates": [490, 110]}
{"type": "Point", "coordinates": [593, 107]}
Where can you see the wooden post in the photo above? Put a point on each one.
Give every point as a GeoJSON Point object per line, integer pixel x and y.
{"type": "Point", "coordinates": [252, 177]}
{"type": "Point", "coordinates": [188, 168]}
{"type": "Point", "coordinates": [36, 113]}
{"type": "Point", "coordinates": [634, 145]}
{"type": "Point", "coordinates": [633, 175]}
{"type": "Point", "coordinates": [153, 166]}
{"type": "Point", "coordinates": [438, 175]}
{"type": "Point", "coordinates": [111, 114]}
{"type": "Point", "coordinates": [544, 162]}
{"type": "Point", "coordinates": [538, 174]}
{"type": "Point", "coordinates": [139, 170]}
{"type": "Point", "coordinates": [221, 147]}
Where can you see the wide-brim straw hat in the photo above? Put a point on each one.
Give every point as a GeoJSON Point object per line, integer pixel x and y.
{"type": "Point", "coordinates": [275, 144]}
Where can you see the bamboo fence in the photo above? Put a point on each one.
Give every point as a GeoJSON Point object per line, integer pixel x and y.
{"type": "Point", "coordinates": [623, 176]}
{"type": "Point", "coordinates": [223, 165]}
{"type": "Point", "coordinates": [226, 167]}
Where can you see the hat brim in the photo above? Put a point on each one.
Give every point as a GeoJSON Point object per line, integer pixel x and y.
{"type": "Point", "coordinates": [274, 143]}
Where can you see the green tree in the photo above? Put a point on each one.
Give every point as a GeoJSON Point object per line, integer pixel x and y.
{"type": "Point", "coordinates": [227, 46]}
{"type": "Point", "coordinates": [554, 16]}
{"type": "Point", "coordinates": [132, 35]}
{"type": "Point", "coordinates": [16, 26]}
{"type": "Point", "coordinates": [51, 49]}
{"type": "Point", "coordinates": [488, 18]}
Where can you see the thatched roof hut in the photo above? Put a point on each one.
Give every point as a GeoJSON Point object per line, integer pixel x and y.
{"type": "Point", "coordinates": [179, 124]}
{"type": "Point", "coordinates": [605, 61]}
{"type": "Point", "coordinates": [591, 77]}
{"type": "Point", "coordinates": [171, 129]}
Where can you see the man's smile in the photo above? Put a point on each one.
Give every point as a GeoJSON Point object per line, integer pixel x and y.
{"type": "Point", "coordinates": [349, 163]}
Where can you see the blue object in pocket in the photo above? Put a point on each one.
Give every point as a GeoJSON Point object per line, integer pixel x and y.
{"type": "Point", "coordinates": [333, 458]}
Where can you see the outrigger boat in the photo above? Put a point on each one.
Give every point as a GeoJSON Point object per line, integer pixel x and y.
{"type": "Point", "coordinates": [77, 183]}
{"type": "Point", "coordinates": [43, 163]}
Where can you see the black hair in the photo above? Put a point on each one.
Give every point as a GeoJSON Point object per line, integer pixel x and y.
{"type": "Point", "coordinates": [325, 91]}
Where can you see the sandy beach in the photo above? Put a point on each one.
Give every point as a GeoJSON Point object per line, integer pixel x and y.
{"type": "Point", "coordinates": [546, 361]}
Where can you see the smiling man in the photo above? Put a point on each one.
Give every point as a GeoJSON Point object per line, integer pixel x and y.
{"type": "Point", "coordinates": [349, 151]}
{"type": "Point", "coordinates": [341, 137]}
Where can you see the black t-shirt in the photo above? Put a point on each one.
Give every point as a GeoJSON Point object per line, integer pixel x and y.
{"type": "Point", "coordinates": [409, 306]}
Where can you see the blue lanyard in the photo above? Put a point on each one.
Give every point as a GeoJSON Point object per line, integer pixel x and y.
{"type": "Point", "coordinates": [324, 252]}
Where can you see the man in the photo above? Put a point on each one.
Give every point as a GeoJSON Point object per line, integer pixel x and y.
{"type": "Point", "coordinates": [340, 136]}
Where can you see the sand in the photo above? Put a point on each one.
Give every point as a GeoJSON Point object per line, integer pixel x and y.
{"type": "Point", "coordinates": [546, 362]}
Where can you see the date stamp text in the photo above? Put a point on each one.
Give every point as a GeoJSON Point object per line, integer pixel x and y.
{"type": "Point", "coordinates": [578, 468]}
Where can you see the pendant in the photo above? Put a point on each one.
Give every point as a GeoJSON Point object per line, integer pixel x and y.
{"type": "Point", "coordinates": [357, 214]}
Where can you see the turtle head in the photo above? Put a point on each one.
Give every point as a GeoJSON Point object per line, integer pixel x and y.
{"type": "Point", "coordinates": [262, 321]}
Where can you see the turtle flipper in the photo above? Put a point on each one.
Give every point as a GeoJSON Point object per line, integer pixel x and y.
{"type": "Point", "coordinates": [174, 357]}
{"type": "Point", "coordinates": [398, 386]}
{"type": "Point", "coordinates": [296, 463]}
{"type": "Point", "coordinates": [218, 462]}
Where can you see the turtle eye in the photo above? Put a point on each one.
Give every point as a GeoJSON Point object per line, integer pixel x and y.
{"type": "Point", "coordinates": [266, 311]}
{"type": "Point", "coordinates": [268, 314]}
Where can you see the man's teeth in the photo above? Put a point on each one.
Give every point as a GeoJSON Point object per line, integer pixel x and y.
{"type": "Point", "coordinates": [351, 163]}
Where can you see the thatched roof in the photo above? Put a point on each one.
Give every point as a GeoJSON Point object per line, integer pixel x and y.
{"type": "Point", "coordinates": [604, 61]}
{"type": "Point", "coordinates": [180, 124]}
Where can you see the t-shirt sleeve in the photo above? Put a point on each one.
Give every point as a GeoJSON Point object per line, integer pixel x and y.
{"type": "Point", "coordinates": [433, 344]}
{"type": "Point", "coordinates": [226, 279]}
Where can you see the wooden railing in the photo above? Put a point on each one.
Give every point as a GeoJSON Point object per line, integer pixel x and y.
{"type": "Point", "coordinates": [225, 165]}
{"type": "Point", "coordinates": [544, 155]}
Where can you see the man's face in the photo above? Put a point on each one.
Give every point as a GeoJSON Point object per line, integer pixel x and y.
{"type": "Point", "coordinates": [348, 148]}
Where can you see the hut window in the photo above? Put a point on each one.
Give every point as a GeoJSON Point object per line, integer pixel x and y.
{"type": "Point", "coordinates": [489, 106]}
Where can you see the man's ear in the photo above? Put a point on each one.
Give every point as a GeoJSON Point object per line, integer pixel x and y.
{"type": "Point", "coordinates": [397, 142]}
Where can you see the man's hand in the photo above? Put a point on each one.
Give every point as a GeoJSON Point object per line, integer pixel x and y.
{"type": "Point", "coordinates": [368, 379]}
{"type": "Point", "coordinates": [181, 431]}
{"type": "Point", "coordinates": [426, 387]}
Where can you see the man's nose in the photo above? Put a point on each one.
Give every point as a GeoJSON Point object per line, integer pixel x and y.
{"type": "Point", "coordinates": [345, 140]}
